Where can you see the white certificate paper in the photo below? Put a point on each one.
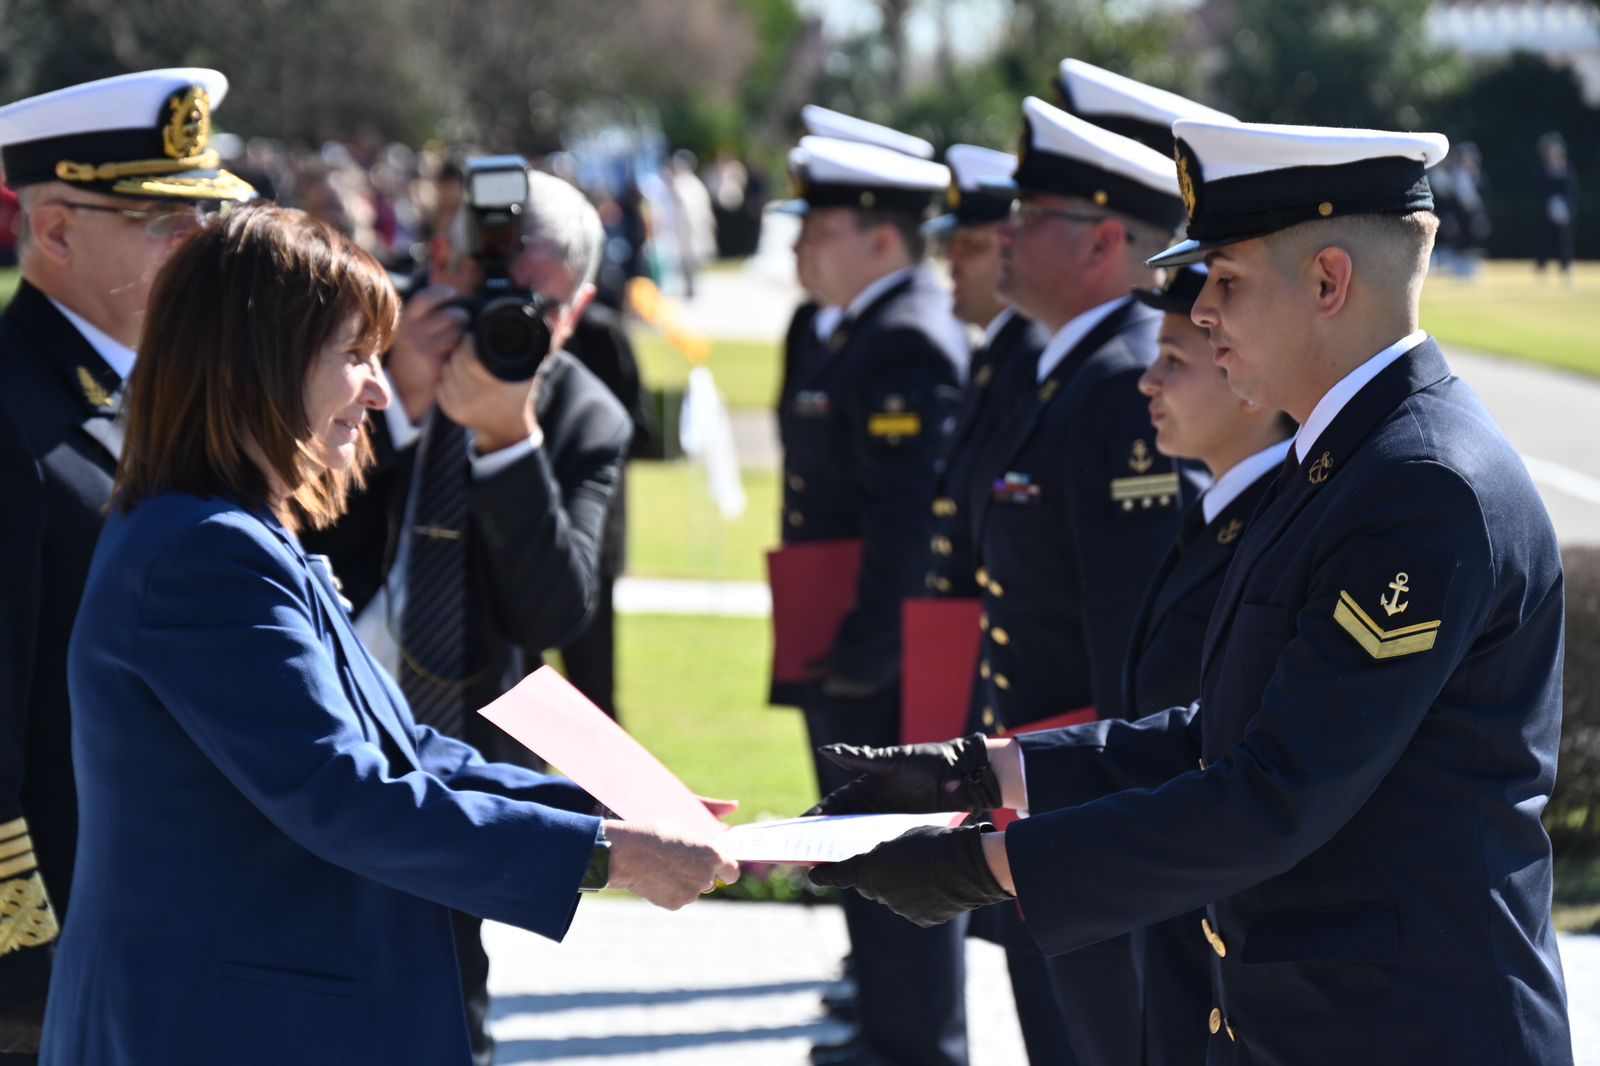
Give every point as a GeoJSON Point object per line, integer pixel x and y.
{"type": "Point", "coordinates": [804, 841]}
{"type": "Point", "coordinates": [555, 721]}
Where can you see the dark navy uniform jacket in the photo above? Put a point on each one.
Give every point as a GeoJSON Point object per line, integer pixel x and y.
{"type": "Point", "coordinates": [59, 443]}
{"type": "Point", "coordinates": [270, 842]}
{"type": "Point", "coordinates": [1074, 508]}
{"type": "Point", "coordinates": [1001, 374]}
{"type": "Point", "coordinates": [862, 423]}
{"type": "Point", "coordinates": [1357, 793]}
{"type": "Point", "coordinates": [1163, 670]}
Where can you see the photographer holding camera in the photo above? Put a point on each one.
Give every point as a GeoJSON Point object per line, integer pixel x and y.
{"type": "Point", "coordinates": [476, 543]}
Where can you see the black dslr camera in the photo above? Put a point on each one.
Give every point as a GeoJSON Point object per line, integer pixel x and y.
{"type": "Point", "coordinates": [508, 325]}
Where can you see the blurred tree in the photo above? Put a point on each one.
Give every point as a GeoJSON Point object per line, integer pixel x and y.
{"type": "Point", "coordinates": [498, 72]}
{"type": "Point", "coordinates": [1504, 108]}
{"type": "Point", "coordinates": [1364, 63]}
{"type": "Point", "coordinates": [979, 102]}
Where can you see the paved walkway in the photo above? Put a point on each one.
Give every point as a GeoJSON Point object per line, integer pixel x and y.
{"type": "Point", "coordinates": [736, 984]}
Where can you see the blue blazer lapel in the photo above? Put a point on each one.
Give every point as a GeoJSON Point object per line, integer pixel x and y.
{"type": "Point", "coordinates": [372, 696]}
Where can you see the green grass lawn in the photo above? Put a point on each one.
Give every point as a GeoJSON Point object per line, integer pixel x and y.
{"type": "Point", "coordinates": [674, 530]}
{"type": "Point", "coordinates": [747, 372]}
{"type": "Point", "coordinates": [1509, 311]}
{"type": "Point", "coordinates": [694, 691]}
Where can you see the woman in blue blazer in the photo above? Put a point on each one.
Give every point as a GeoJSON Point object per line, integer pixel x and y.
{"type": "Point", "coordinates": [269, 842]}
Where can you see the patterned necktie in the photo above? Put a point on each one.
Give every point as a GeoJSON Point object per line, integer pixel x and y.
{"type": "Point", "coordinates": [433, 621]}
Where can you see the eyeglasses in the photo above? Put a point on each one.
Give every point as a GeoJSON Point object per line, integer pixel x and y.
{"type": "Point", "coordinates": [162, 223]}
{"type": "Point", "coordinates": [1023, 215]}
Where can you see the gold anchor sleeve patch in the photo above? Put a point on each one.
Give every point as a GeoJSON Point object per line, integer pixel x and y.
{"type": "Point", "coordinates": [1392, 600]}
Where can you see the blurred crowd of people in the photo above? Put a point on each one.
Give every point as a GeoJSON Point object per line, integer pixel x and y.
{"type": "Point", "coordinates": [663, 220]}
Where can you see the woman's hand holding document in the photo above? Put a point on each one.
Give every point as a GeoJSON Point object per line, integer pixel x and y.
{"type": "Point", "coordinates": [558, 723]}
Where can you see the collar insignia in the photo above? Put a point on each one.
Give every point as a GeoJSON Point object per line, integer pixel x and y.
{"type": "Point", "coordinates": [1230, 532]}
{"type": "Point", "coordinates": [1321, 469]}
{"type": "Point", "coordinates": [93, 391]}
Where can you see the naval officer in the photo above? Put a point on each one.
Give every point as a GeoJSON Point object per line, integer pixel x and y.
{"type": "Point", "coordinates": [862, 423]}
{"type": "Point", "coordinates": [1355, 797]}
{"type": "Point", "coordinates": [110, 175]}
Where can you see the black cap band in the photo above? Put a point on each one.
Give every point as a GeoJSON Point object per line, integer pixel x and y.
{"type": "Point", "coordinates": [867, 197]}
{"type": "Point", "coordinates": [1254, 205]}
{"type": "Point", "coordinates": [1151, 134]}
{"type": "Point", "coordinates": [1046, 172]}
{"type": "Point", "coordinates": [1177, 297]}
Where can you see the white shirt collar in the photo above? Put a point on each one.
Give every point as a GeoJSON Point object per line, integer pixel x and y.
{"type": "Point", "coordinates": [865, 297]}
{"type": "Point", "coordinates": [1344, 391]}
{"type": "Point", "coordinates": [825, 321]}
{"type": "Point", "coordinates": [996, 324]}
{"type": "Point", "coordinates": [1068, 336]}
{"type": "Point", "coordinates": [1241, 476]}
{"type": "Point", "coordinates": [118, 356]}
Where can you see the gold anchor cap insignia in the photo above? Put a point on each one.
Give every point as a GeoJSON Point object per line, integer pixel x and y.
{"type": "Point", "coordinates": [1391, 604]}
{"type": "Point", "coordinates": [1321, 469]}
{"type": "Point", "coordinates": [1230, 532]}
{"type": "Point", "coordinates": [1140, 459]}
{"type": "Point", "coordinates": [93, 391]}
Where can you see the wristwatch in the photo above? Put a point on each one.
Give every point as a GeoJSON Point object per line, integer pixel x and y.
{"type": "Point", "coordinates": [598, 873]}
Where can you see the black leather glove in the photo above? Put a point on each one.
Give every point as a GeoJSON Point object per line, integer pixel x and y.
{"type": "Point", "coordinates": [927, 875]}
{"type": "Point", "coordinates": [953, 775]}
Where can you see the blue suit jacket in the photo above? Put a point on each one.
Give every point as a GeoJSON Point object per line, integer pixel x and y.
{"type": "Point", "coordinates": [268, 841]}
{"type": "Point", "coordinates": [1357, 794]}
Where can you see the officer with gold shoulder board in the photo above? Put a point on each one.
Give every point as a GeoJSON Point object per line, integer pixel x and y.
{"type": "Point", "coordinates": [1355, 797]}
{"type": "Point", "coordinates": [110, 175]}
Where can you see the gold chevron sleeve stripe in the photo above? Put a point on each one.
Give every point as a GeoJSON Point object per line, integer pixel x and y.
{"type": "Point", "coordinates": [1132, 488]}
{"type": "Point", "coordinates": [1383, 643]}
{"type": "Point", "coordinates": [26, 918]}
{"type": "Point", "coordinates": [16, 846]}
{"type": "Point", "coordinates": [19, 865]}
{"type": "Point", "coordinates": [15, 827]}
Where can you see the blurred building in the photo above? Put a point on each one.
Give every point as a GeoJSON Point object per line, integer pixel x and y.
{"type": "Point", "coordinates": [1564, 33]}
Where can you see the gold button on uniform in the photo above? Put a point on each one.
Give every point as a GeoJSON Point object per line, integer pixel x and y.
{"type": "Point", "coordinates": [1000, 636]}
{"type": "Point", "coordinates": [983, 669]}
{"type": "Point", "coordinates": [797, 483]}
{"type": "Point", "coordinates": [996, 591]}
{"type": "Point", "coordinates": [944, 507]}
{"type": "Point", "coordinates": [1213, 939]}
{"type": "Point", "coordinates": [988, 717]}
{"type": "Point", "coordinates": [942, 546]}
{"type": "Point", "coordinates": [983, 621]}
{"type": "Point", "coordinates": [983, 576]}
{"type": "Point", "coordinates": [796, 518]}
{"type": "Point", "coordinates": [1216, 1020]}
{"type": "Point", "coordinates": [1002, 681]}
{"type": "Point", "coordinates": [942, 584]}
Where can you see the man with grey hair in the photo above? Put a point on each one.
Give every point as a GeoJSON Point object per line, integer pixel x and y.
{"type": "Point", "coordinates": [476, 543]}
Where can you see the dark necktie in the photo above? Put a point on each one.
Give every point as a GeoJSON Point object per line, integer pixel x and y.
{"type": "Point", "coordinates": [433, 621]}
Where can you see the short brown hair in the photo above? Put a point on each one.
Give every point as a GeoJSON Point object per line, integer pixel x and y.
{"type": "Point", "coordinates": [235, 320]}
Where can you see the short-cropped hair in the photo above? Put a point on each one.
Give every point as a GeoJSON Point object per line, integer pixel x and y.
{"type": "Point", "coordinates": [235, 321]}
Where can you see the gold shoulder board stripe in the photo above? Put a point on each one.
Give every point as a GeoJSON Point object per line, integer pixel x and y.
{"type": "Point", "coordinates": [15, 846]}
{"type": "Point", "coordinates": [1133, 488]}
{"type": "Point", "coordinates": [26, 917]}
{"type": "Point", "coordinates": [1378, 642]}
{"type": "Point", "coordinates": [13, 828]}
{"type": "Point", "coordinates": [895, 425]}
{"type": "Point", "coordinates": [19, 865]}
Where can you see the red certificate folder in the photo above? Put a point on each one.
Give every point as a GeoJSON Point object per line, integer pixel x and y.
{"type": "Point", "coordinates": [939, 644]}
{"type": "Point", "coordinates": [813, 590]}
